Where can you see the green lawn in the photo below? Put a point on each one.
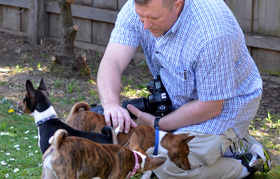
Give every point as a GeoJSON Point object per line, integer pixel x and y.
{"type": "Point", "coordinates": [20, 155]}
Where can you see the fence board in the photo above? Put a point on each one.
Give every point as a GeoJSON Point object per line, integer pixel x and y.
{"type": "Point", "coordinates": [101, 48]}
{"type": "Point", "coordinates": [106, 4]}
{"type": "Point", "coordinates": [1, 16]}
{"type": "Point", "coordinates": [33, 21]}
{"type": "Point", "coordinates": [24, 21]}
{"type": "Point", "coordinates": [242, 10]}
{"type": "Point", "coordinates": [268, 17]}
{"type": "Point", "coordinates": [267, 60]}
{"type": "Point", "coordinates": [55, 25]}
{"type": "Point", "coordinates": [103, 33]}
{"type": "Point", "coordinates": [83, 2]}
{"type": "Point", "coordinates": [84, 32]}
{"type": "Point", "coordinates": [91, 13]}
{"type": "Point", "coordinates": [11, 18]}
{"type": "Point", "coordinates": [13, 32]}
{"type": "Point", "coordinates": [265, 42]}
{"type": "Point", "coordinates": [121, 3]}
{"type": "Point", "coordinates": [94, 32]}
{"type": "Point", "coordinates": [37, 21]}
{"type": "Point", "coordinates": [15, 3]}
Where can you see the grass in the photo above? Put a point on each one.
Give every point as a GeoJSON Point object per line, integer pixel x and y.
{"type": "Point", "coordinates": [134, 93]}
{"type": "Point", "coordinates": [71, 86]}
{"type": "Point", "coordinates": [58, 83]}
{"type": "Point", "coordinates": [268, 134]}
{"type": "Point", "coordinates": [273, 174]}
{"type": "Point", "coordinates": [20, 155]}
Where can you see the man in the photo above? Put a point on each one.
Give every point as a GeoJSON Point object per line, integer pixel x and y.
{"type": "Point", "coordinates": [199, 51]}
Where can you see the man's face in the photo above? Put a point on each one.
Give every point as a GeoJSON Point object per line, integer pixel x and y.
{"type": "Point", "coordinates": [157, 18]}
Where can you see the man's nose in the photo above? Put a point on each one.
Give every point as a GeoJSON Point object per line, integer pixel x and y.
{"type": "Point", "coordinates": [147, 24]}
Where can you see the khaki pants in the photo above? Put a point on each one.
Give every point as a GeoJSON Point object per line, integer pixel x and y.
{"type": "Point", "coordinates": [206, 159]}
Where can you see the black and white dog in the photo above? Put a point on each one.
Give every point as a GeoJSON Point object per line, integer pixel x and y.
{"type": "Point", "coordinates": [37, 102]}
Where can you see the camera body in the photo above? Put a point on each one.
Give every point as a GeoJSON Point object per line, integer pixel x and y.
{"type": "Point", "coordinates": [158, 102]}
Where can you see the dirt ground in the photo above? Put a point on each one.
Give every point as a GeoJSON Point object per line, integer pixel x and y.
{"type": "Point", "coordinates": [20, 61]}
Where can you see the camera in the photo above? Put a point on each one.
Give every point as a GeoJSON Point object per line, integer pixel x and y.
{"type": "Point", "coordinates": [157, 103]}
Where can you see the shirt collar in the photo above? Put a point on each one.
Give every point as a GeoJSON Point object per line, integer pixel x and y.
{"type": "Point", "coordinates": [181, 18]}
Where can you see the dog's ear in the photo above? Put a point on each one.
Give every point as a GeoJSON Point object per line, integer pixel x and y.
{"type": "Point", "coordinates": [42, 85]}
{"type": "Point", "coordinates": [187, 139]}
{"type": "Point", "coordinates": [134, 144]}
{"type": "Point", "coordinates": [154, 162]}
{"type": "Point", "coordinates": [30, 89]}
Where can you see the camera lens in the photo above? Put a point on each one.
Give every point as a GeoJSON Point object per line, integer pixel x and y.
{"type": "Point", "coordinates": [139, 103]}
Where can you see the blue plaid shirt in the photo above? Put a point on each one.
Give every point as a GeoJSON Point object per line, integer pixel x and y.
{"type": "Point", "coordinates": [203, 56]}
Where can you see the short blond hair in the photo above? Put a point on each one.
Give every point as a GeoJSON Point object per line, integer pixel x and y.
{"type": "Point", "coordinates": [165, 3]}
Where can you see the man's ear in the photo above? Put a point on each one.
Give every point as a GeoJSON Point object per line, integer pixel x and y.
{"type": "Point", "coordinates": [178, 5]}
{"type": "Point", "coordinates": [42, 85]}
{"type": "Point", "coordinates": [30, 89]}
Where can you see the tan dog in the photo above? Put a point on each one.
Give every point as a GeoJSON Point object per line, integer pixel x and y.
{"type": "Point", "coordinates": [81, 118]}
{"type": "Point", "coordinates": [174, 146]}
{"type": "Point", "coordinates": [74, 157]}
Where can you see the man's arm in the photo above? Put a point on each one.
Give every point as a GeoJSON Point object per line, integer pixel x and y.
{"type": "Point", "coordinates": [191, 113]}
{"type": "Point", "coordinates": [114, 61]}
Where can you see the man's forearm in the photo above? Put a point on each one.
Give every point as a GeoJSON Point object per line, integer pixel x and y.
{"type": "Point", "coordinates": [114, 61]}
{"type": "Point", "coordinates": [191, 113]}
{"type": "Point", "coordinates": [109, 81]}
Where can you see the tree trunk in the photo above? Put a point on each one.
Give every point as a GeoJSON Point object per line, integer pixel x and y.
{"type": "Point", "coordinates": [69, 30]}
{"type": "Point", "coordinates": [66, 63]}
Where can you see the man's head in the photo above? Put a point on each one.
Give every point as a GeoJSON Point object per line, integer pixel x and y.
{"type": "Point", "coordinates": [158, 16]}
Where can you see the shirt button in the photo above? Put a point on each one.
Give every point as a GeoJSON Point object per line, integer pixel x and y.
{"type": "Point", "coordinates": [157, 52]}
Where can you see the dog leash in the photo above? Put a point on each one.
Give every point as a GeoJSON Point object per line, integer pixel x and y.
{"type": "Point", "coordinates": [156, 126]}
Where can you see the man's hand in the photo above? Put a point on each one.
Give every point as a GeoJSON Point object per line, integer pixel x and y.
{"type": "Point", "coordinates": [142, 117]}
{"type": "Point", "coordinates": [117, 116]}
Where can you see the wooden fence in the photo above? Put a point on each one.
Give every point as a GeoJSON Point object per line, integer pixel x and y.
{"type": "Point", "coordinates": [260, 20]}
{"type": "Point", "coordinates": [37, 19]}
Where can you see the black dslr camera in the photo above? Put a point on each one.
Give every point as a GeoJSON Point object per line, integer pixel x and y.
{"type": "Point", "coordinates": [158, 102]}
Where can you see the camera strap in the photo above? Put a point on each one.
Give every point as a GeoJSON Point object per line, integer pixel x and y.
{"type": "Point", "coordinates": [156, 126]}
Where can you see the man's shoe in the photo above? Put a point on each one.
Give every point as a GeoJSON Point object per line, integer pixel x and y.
{"type": "Point", "coordinates": [260, 159]}
{"type": "Point", "coordinates": [245, 160]}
